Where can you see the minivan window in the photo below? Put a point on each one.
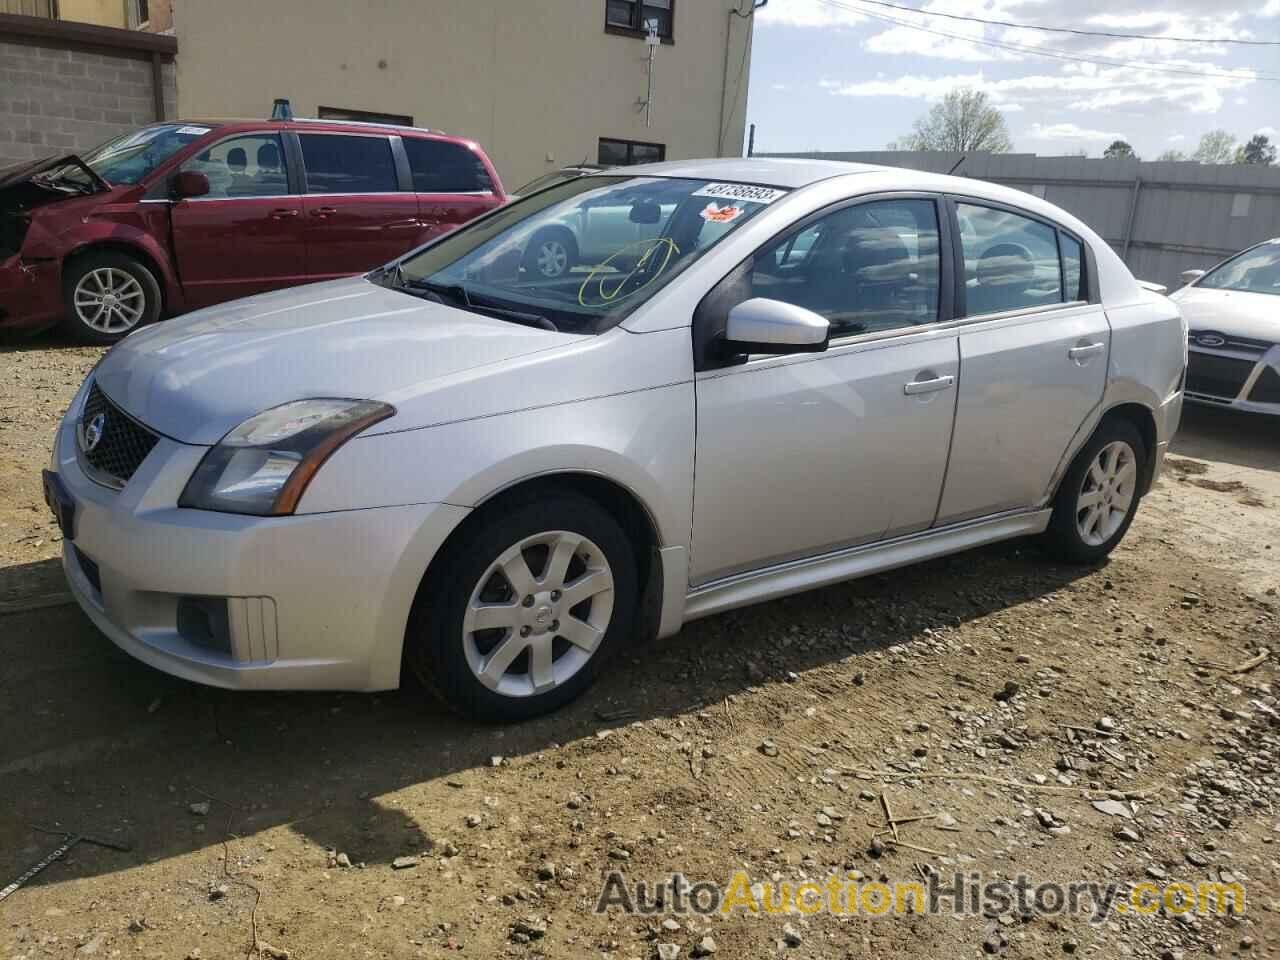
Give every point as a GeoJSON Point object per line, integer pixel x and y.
{"type": "Point", "coordinates": [127, 159]}
{"type": "Point", "coordinates": [247, 166]}
{"type": "Point", "coordinates": [439, 166]}
{"type": "Point", "coordinates": [337, 163]}
{"type": "Point", "coordinates": [619, 240]}
{"type": "Point", "coordinates": [866, 268]}
{"type": "Point", "coordinates": [1010, 261]}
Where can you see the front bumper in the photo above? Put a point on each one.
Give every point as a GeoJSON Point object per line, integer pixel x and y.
{"type": "Point", "coordinates": [30, 294]}
{"type": "Point", "coordinates": [1246, 380]}
{"type": "Point", "coordinates": [316, 601]}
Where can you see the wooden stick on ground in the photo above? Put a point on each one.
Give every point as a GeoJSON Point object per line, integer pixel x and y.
{"type": "Point", "coordinates": [1252, 661]}
{"type": "Point", "coordinates": [912, 846]}
{"type": "Point", "coordinates": [888, 814]}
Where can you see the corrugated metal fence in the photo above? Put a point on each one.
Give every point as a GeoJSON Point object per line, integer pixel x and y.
{"type": "Point", "coordinates": [1162, 218]}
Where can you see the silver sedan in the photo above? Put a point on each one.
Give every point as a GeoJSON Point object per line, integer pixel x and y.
{"type": "Point", "coordinates": [790, 374]}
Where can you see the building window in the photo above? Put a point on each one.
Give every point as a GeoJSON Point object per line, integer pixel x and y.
{"type": "Point", "coordinates": [631, 17]}
{"type": "Point", "coordinates": [621, 153]}
{"type": "Point", "coordinates": [365, 116]}
{"type": "Point", "coordinates": [141, 12]}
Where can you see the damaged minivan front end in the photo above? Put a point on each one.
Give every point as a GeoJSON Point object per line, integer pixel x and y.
{"type": "Point", "coordinates": [29, 289]}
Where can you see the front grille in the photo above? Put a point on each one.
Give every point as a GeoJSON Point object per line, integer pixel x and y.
{"type": "Point", "coordinates": [1239, 344]}
{"type": "Point", "coordinates": [1217, 376]}
{"type": "Point", "coordinates": [1267, 387]}
{"type": "Point", "coordinates": [123, 442]}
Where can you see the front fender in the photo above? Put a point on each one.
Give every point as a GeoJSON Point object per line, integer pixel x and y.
{"type": "Point", "coordinates": [643, 441]}
{"type": "Point", "coordinates": [124, 237]}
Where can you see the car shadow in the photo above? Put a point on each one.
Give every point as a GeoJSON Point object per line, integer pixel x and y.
{"type": "Point", "coordinates": [1228, 436]}
{"type": "Point", "coordinates": [96, 743]}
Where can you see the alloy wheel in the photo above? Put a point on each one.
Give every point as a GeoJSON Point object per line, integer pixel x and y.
{"type": "Point", "coordinates": [538, 613]}
{"type": "Point", "coordinates": [1107, 492]}
{"type": "Point", "coordinates": [109, 300]}
{"type": "Point", "coordinates": [553, 258]}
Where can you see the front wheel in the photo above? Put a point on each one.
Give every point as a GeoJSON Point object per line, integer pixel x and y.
{"type": "Point", "coordinates": [1099, 495]}
{"type": "Point", "coordinates": [551, 254]}
{"type": "Point", "coordinates": [108, 295]}
{"type": "Point", "coordinates": [525, 609]}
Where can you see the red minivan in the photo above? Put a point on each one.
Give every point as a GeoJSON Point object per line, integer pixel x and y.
{"type": "Point", "coordinates": [182, 215]}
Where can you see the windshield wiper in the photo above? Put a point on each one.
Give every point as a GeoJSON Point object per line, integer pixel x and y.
{"type": "Point", "coordinates": [459, 296]}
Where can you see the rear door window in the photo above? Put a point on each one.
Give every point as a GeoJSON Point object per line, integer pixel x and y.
{"type": "Point", "coordinates": [338, 163]}
{"type": "Point", "coordinates": [1010, 261]}
{"type": "Point", "coordinates": [439, 166]}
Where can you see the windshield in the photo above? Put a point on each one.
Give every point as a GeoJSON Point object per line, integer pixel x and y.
{"type": "Point", "coordinates": [127, 159]}
{"type": "Point", "coordinates": [1254, 271]}
{"type": "Point", "coordinates": [581, 256]}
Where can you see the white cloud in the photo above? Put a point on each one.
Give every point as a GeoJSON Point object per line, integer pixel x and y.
{"type": "Point", "coordinates": [807, 13]}
{"type": "Point", "coordinates": [1271, 9]}
{"type": "Point", "coordinates": [1266, 132]}
{"type": "Point", "coordinates": [1011, 107]}
{"type": "Point", "coordinates": [1069, 131]}
{"type": "Point", "coordinates": [1176, 138]}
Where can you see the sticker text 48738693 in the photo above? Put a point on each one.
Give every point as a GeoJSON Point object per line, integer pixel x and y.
{"type": "Point", "coordinates": [740, 191]}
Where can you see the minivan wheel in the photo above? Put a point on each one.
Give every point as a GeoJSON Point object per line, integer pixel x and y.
{"type": "Point", "coordinates": [1099, 495]}
{"type": "Point", "coordinates": [108, 295]}
{"type": "Point", "coordinates": [524, 611]}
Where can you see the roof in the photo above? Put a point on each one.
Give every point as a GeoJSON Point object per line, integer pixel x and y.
{"type": "Point", "coordinates": [780, 172]}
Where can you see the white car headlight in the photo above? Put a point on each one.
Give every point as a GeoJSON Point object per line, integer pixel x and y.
{"type": "Point", "coordinates": [263, 466]}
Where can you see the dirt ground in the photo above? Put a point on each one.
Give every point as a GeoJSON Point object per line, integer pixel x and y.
{"type": "Point", "coordinates": [762, 740]}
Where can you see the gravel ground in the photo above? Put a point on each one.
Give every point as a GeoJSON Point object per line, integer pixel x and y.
{"type": "Point", "coordinates": [765, 740]}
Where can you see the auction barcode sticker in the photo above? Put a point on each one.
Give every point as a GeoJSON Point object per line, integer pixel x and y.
{"type": "Point", "coordinates": [740, 191]}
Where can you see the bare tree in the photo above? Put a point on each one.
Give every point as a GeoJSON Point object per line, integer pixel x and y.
{"type": "Point", "coordinates": [963, 122]}
{"type": "Point", "coordinates": [1119, 150]}
{"type": "Point", "coordinates": [1216, 146]}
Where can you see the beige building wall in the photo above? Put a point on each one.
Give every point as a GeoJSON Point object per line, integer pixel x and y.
{"type": "Point", "coordinates": [536, 82]}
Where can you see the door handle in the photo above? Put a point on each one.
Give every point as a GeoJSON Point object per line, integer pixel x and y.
{"type": "Point", "coordinates": [324, 211]}
{"type": "Point", "coordinates": [1085, 351]}
{"type": "Point", "coordinates": [928, 386]}
{"type": "Point", "coordinates": [283, 213]}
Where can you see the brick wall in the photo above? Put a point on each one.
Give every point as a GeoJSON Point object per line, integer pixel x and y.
{"type": "Point", "coordinates": [67, 99]}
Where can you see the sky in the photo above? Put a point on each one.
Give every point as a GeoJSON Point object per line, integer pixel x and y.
{"type": "Point", "coordinates": [835, 75]}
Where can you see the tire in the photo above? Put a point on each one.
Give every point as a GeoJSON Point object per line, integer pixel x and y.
{"type": "Point", "coordinates": [107, 295]}
{"type": "Point", "coordinates": [450, 653]}
{"type": "Point", "coordinates": [551, 254]}
{"type": "Point", "coordinates": [1085, 531]}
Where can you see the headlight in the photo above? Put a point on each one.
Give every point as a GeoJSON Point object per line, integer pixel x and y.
{"type": "Point", "coordinates": [263, 466]}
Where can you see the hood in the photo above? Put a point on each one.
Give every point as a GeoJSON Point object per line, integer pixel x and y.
{"type": "Point", "coordinates": [1255, 316]}
{"type": "Point", "coordinates": [197, 377]}
{"type": "Point", "coordinates": [24, 172]}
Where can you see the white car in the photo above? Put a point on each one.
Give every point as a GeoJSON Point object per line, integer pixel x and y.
{"type": "Point", "coordinates": [498, 480]}
{"type": "Point", "coordinates": [1233, 314]}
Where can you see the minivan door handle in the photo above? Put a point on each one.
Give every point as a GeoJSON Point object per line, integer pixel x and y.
{"type": "Point", "coordinates": [282, 213]}
{"type": "Point", "coordinates": [324, 211]}
{"type": "Point", "coordinates": [1084, 351]}
{"type": "Point", "coordinates": [928, 386]}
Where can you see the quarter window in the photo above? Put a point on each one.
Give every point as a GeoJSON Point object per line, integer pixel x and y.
{"type": "Point", "coordinates": [866, 268]}
{"type": "Point", "coordinates": [1072, 269]}
{"type": "Point", "coordinates": [439, 166]}
{"type": "Point", "coordinates": [248, 166]}
{"type": "Point", "coordinates": [1010, 261]}
{"type": "Point", "coordinates": [622, 153]}
{"type": "Point", "coordinates": [343, 164]}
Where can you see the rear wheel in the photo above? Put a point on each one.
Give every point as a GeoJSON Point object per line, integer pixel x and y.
{"type": "Point", "coordinates": [108, 295]}
{"type": "Point", "coordinates": [1099, 495]}
{"type": "Point", "coordinates": [525, 610]}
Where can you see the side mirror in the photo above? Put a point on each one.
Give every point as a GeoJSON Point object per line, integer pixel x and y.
{"type": "Point", "coordinates": [189, 183]}
{"type": "Point", "coordinates": [1191, 276]}
{"type": "Point", "coordinates": [760, 325]}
